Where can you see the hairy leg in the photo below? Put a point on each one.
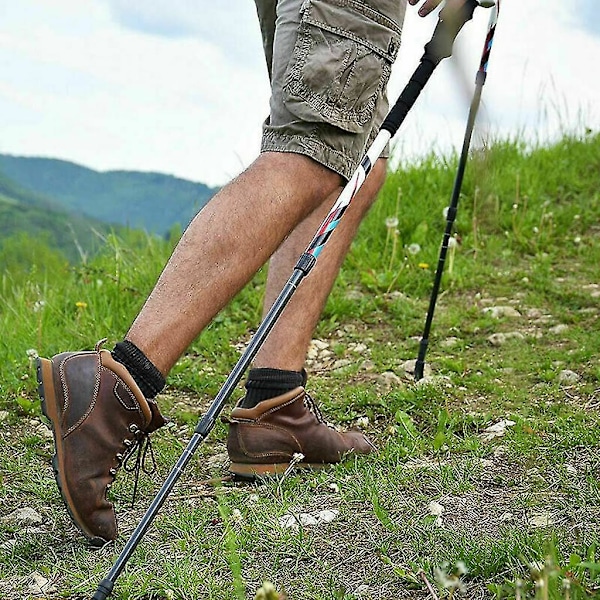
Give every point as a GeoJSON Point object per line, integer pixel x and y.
{"type": "Point", "coordinates": [286, 346]}
{"type": "Point", "coordinates": [224, 246]}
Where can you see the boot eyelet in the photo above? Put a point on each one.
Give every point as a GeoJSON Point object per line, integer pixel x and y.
{"type": "Point", "coordinates": [128, 443]}
{"type": "Point", "coordinates": [119, 457]}
{"type": "Point", "coordinates": [134, 428]}
{"type": "Point", "coordinates": [113, 472]}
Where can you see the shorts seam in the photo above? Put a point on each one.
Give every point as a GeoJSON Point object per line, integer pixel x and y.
{"type": "Point", "coordinates": [309, 146]}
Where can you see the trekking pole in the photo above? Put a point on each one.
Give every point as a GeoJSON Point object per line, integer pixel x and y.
{"type": "Point", "coordinates": [452, 208]}
{"type": "Point", "coordinates": [438, 48]}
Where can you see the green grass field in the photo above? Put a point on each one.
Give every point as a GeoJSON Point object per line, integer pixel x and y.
{"type": "Point", "coordinates": [487, 482]}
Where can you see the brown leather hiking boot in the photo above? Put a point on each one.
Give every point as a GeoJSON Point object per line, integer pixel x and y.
{"type": "Point", "coordinates": [263, 440]}
{"type": "Point", "coordinates": [99, 417]}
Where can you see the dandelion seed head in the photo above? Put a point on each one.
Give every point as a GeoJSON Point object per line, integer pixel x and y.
{"type": "Point", "coordinates": [236, 515]}
{"type": "Point", "coordinates": [32, 353]}
{"type": "Point", "coordinates": [391, 222]}
{"type": "Point", "coordinates": [414, 249]}
{"type": "Point", "coordinates": [38, 305]}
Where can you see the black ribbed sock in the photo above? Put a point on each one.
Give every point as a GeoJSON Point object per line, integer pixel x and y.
{"type": "Point", "coordinates": [145, 374]}
{"type": "Point", "coordinates": [264, 384]}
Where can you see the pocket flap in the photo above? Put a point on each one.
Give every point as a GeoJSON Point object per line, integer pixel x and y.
{"type": "Point", "coordinates": [357, 21]}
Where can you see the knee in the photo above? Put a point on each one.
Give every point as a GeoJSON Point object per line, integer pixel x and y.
{"type": "Point", "coordinates": [301, 173]}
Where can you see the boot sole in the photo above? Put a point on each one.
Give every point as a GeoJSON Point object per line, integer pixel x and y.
{"type": "Point", "coordinates": [264, 471]}
{"type": "Point", "coordinates": [45, 379]}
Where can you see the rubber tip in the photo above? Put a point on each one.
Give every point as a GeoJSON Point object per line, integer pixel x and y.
{"type": "Point", "coordinates": [105, 588]}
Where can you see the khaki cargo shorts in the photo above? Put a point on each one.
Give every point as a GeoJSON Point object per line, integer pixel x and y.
{"type": "Point", "coordinates": [329, 62]}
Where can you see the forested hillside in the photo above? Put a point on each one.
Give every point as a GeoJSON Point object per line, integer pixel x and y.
{"type": "Point", "coordinates": [27, 218]}
{"type": "Point", "coordinates": [151, 201]}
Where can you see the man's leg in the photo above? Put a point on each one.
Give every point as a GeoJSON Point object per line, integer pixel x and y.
{"type": "Point", "coordinates": [288, 342]}
{"type": "Point", "coordinates": [276, 419]}
{"type": "Point", "coordinates": [224, 246]}
{"type": "Point", "coordinates": [98, 402]}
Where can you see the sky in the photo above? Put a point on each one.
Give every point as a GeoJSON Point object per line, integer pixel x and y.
{"type": "Point", "coordinates": [181, 87]}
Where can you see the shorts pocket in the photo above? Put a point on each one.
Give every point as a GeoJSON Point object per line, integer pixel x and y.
{"type": "Point", "coordinates": [341, 62]}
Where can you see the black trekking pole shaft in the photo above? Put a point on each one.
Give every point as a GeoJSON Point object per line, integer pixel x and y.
{"type": "Point", "coordinates": [453, 206]}
{"type": "Point", "coordinates": [438, 48]}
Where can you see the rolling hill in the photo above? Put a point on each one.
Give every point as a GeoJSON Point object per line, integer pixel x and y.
{"type": "Point", "coordinates": [23, 212]}
{"type": "Point", "coordinates": [151, 201]}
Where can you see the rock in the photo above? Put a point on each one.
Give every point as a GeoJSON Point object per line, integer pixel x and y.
{"type": "Point", "coordinates": [295, 521]}
{"type": "Point", "coordinates": [499, 339]}
{"type": "Point", "coordinates": [496, 430]}
{"type": "Point", "coordinates": [389, 379]}
{"type": "Point", "coordinates": [218, 461]}
{"type": "Point", "coordinates": [449, 342]}
{"type": "Point", "coordinates": [3, 415]}
{"type": "Point", "coordinates": [409, 368]}
{"type": "Point", "coordinates": [40, 585]}
{"type": "Point", "coordinates": [23, 517]}
{"type": "Point", "coordinates": [542, 519]}
{"type": "Point", "coordinates": [498, 312]}
{"type": "Point", "coordinates": [558, 329]}
{"type": "Point", "coordinates": [567, 376]}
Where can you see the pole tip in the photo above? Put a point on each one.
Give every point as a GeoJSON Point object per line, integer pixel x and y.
{"type": "Point", "coordinates": [105, 588]}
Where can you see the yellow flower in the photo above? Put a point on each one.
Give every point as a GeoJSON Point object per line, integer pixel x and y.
{"type": "Point", "coordinates": [423, 266]}
{"type": "Point", "coordinates": [81, 305]}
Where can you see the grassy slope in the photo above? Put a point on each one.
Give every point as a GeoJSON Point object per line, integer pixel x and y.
{"type": "Point", "coordinates": [154, 201]}
{"type": "Point", "coordinates": [518, 509]}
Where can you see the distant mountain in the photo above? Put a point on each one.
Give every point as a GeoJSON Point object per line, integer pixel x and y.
{"type": "Point", "coordinates": [25, 212]}
{"type": "Point", "coordinates": [150, 201]}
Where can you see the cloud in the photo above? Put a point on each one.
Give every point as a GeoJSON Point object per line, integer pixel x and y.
{"type": "Point", "coordinates": [231, 26]}
{"type": "Point", "coordinates": [586, 15]}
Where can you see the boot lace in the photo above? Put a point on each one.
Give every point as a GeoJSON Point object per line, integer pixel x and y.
{"type": "Point", "coordinates": [311, 405]}
{"type": "Point", "coordinates": [138, 457]}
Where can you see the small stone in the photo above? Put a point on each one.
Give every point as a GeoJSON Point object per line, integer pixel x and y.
{"type": "Point", "coordinates": [558, 329]}
{"type": "Point", "coordinates": [409, 368]}
{"type": "Point", "coordinates": [368, 365]}
{"type": "Point", "coordinates": [341, 363]}
{"type": "Point", "coordinates": [389, 379]}
{"type": "Point", "coordinates": [23, 517]}
{"type": "Point", "coordinates": [3, 415]}
{"type": "Point", "coordinates": [496, 430]}
{"type": "Point", "coordinates": [498, 312]}
{"type": "Point", "coordinates": [449, 342]}
{"type": "Point", "coordinates": [567, 376]}
{"type": "Point", "coordinates": [499, 339]}
{"type": "Point", "coordinates": [542, 519]}
{"type": "Point", "coordinates": [217, 461]}
{"type": "Point", "coordinates": [358, 348]}
{"type": "Point", "coordinates": [40, 585]}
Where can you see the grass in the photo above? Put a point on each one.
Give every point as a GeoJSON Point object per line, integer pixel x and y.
{"type": "Point", "coordinates": [443, 510]}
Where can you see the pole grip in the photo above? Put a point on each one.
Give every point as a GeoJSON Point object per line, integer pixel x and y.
{"type": "Point", "coordinates": [438, 48]}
